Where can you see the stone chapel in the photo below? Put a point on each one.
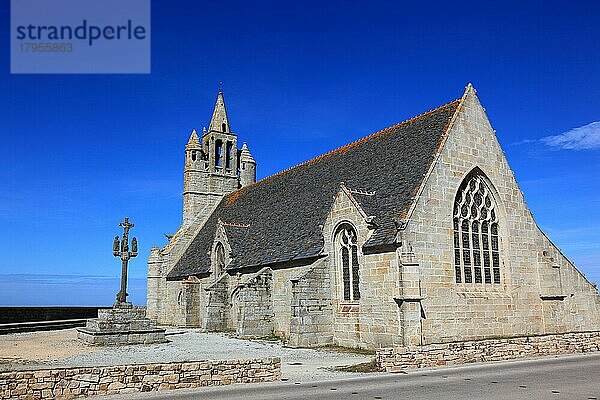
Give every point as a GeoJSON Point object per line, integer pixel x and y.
{"type": "Point", "coordinates": [416, 234]}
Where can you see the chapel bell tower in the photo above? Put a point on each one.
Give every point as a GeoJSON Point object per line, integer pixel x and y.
{"type": "Point", "coordinates": [212, 165]}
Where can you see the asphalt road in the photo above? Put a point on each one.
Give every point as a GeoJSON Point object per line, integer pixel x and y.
{"type": "Point", "coordinates": [565, 377]}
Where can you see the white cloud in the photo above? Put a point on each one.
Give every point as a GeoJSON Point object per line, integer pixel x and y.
{"type": "Point", "coordinates": [585, 137]}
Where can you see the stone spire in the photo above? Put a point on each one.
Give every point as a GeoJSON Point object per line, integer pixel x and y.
{"type": "Point", "coordinates": [194, 142]}
{"type": "Point", "coordinates": [219, 121]}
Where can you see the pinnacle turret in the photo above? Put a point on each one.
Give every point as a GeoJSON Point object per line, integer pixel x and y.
{"type": "Point", "coordinates": [247, 166]}
{"type": "Point", "coordinates": [194, 141]}
{"type": "Point", "coordinates": [245, 154]}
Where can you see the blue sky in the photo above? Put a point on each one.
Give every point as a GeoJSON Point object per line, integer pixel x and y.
{"type": "Point", "coordinates": [79, 152]}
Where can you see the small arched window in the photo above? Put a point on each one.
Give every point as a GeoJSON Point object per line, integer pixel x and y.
{"type": "Point", "coordinates": [228, 148]}
{"type": "Point", "coordinates": [347, 257]}
{"type": "Point", "coordinates": [218, 152]}
{"type": "Point", "coordinates": [476, 248]}
{"type": "Point", "coordinates": [224, 127]}
{"type": "Point", "coordinates": [219, 260]}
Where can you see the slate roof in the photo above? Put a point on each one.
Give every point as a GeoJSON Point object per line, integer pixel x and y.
{"type": "Point", "coordinates": [285, 212]}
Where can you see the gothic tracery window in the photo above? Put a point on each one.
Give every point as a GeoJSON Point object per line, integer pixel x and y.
{"type": "Point", "coordinates": [476, 248]}
{"type": "Point", "coordinates": [347, 255]}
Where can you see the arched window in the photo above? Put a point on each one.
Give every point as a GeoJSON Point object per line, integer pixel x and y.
{"type": "Point", "coordinates": [347, 257]}
{"type": "Point", "coordinates": [219, 260]}
{"type": "Point", "coordinates": [476, 248]}
{"type": "Point", "coordinates": [228, 155]}
{"type": "Point", "coordinates": [224, 127]}
{"type": "Point", "coordinates": [218, 151]}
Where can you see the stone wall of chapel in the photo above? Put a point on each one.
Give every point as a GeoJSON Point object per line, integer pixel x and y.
{"type": "Point", "coordinates": [171, 303]}
{"type": "Point", "coordinates": [312, 313]}
{"type": "Point", "coordinates": [162, 306]}
{"type": "Point", "coordinates": [217, 305]}
{"type": "Point", "coordinates": [192, 302]}
{"type": "Point", "coordinates": [514, 307]}
{"type": "Point", "coordinates": [254, 305]}
{"type": "Point", "coordinates": [580, 309]}
{"type": "Point", "coordinates": [172, 308]}
{"type": "Point", "coordinates": [282, 299]}
{"type": "Point", "coordinates": [372, 322]}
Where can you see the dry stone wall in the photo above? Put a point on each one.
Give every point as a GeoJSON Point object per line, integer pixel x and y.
{"type": "Point", "coordinates": [91, 381]}
{"type": "Point", "coordinates": [401, 358]}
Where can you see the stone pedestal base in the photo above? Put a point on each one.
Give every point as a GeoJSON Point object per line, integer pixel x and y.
{"type": "Point", "coordinates": [122, 324]}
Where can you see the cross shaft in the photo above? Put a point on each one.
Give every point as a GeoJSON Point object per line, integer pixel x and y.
{"type": "Point", "coordinates": [121, 250]}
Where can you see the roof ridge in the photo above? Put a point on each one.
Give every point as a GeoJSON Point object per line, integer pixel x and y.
{"type": "Point", "coordinates": [235, 225]}
{"type": "Point", "coordinates": [234, 195]}
{"type": "Point", "coordinates": [363, 192]}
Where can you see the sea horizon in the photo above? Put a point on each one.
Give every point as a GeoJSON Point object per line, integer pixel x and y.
{"type": "Point", "coordinates": [62, 290]}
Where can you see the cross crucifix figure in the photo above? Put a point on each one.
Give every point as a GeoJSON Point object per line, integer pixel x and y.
{"type": "Point", "coordinates": [122, 250]}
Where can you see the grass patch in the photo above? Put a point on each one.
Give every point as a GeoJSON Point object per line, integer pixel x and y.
{"type": "Point", "coordinates": [272, 338]}
{"type": "Point", "coordinates": [341, 349]}
{"type": "Point", "coordinates": [370, 366]}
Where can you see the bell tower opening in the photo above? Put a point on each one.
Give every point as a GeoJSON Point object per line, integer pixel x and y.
{"type": "Point", "coordinates": [218, 151]}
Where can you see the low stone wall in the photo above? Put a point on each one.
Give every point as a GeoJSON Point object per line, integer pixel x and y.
{"type": "Point", "coordinates": [11, 315]}
{"type": "Point", "coordinates": [89, 381]}
{"type": "Point", "coordinates": [401, 358]}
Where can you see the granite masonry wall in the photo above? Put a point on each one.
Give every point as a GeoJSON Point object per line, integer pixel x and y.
{"type": "Point", "coordinates": [255, 312]}
{"type": "Point", "coordinates": [540, 291]}
{"type": "Point", "coordinates": [282, 298]}
{"type": "Point", "coordinates": [373, 322]}
{"type": "Point", "coordinates": [312, 313]}
{"type": "Point", "coordinates": [216, 317]}
{"type": "Point", "coordinates": [164, 303]}
{"type": "Point", "coordinates": [401, 358]}
{"type": "Point", "coordinates": [90, 381]}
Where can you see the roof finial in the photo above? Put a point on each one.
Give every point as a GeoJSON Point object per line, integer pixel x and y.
{"type": "Point", "coordinates": [221, 87]}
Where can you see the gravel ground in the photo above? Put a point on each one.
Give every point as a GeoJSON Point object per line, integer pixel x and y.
{"type": "Point", "coordinates": [61, 349]}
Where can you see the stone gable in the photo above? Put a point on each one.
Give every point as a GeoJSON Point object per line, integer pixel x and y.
{"type": "Point", "coordinates": [515, 306]}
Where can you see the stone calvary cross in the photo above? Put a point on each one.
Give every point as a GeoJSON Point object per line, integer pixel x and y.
{"type": "Point", "coordinates": [124, 323]}
{"type": "Point", "coordinates": [122, 250]}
